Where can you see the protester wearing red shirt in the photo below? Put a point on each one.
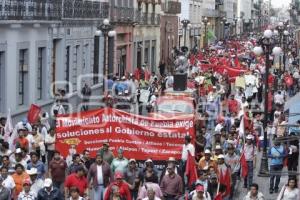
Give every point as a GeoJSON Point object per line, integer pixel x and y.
{"type": "Point", "coordinates": [233, 105]}
{"type": "Point", "coordinates": [77, 180]}
{"type": "Point", "coordinates": [21, 141]}
{"type": "Point", "coordinates": [123, 187]}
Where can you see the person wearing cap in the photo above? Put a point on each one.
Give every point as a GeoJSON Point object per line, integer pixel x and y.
{"type": "Point", "coordinates": [207, 160]}
{"type": "Point", "coordinates": [36, 183]}
{"type": "Point", "coordinates": [27, 193]}
{"type": "Point", "coordinates": [171, 185]}
{"type": "Point", "coordinates": [99, 177]}
{"type": "Point", "coordinates": [172, 161]}
{"type": "Point", "coordinates": [134, 177]}
{"type": "Point", "coordinates": [57, 170]}
{"type": "Point", "coordinates": [4, 191]}
{"type": "Point", "coordinates": [20, 157]}
{"type": "Point", "coordinates": [37, 164]}
{"type": "Point", "coordinates": [224, 173]}
{"type": "Point", "coordinates": [150, 171]}
{"type": "Point", "coordinates": [49, 192]}
{"type": "Point", "coordinates": [106, 153]}
{"type": "Point", "coordinates": [119, 182]}
{"type": "Point", "coordinates": [277, 153]}
{"type": "Point", "coordinates": [233, 161]}
{"type": "Point", "coordinates": [79, 180]}
{"type": "Point", "coordinates": [200, 193]}
{"type": "Point", "coordinates": [250, 152]}
{"type": "Point", "coordinates": [218, 151]}
{"type": "Point", "coordinates": [119, 163]}
{"type": "Point", "coordinates": [19, 176]}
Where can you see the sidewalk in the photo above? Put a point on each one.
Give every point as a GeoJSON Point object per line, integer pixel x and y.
{"type": "Point", "coordinates": [263, 183]}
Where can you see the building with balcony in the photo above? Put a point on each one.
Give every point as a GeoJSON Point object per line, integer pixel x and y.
{"type": "Point", "coordinates": [169, 30]}
{"type": "Point", "coordinates": [146, 40]}
{"type": "Point", "coordinates": [190, 10]}
{"type": "Point", "coordinates": [45, 46]}
{"type": "Point", "coordinates": [123, 17]}
{"type": "Point", "coordinates": [244, 14]}
{"type": "Point", "coordinates": [211, 13]}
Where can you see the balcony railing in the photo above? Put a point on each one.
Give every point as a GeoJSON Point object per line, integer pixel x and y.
{"type": "Point", "coordinates": [147, 18]}
{"type": "Point", "coordinates": [52, 9]}
{"type": "Point", "coordinates": [122, 15]}
{"type": "Point", "coordinates": [210, 13]}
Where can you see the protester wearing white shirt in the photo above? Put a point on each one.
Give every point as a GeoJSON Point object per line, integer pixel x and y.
{"type": "Point", "coordinates": [8, 181]}
{"type": "Point", "coordinates": [36, 183]}
{"type": "Point", "coordinates": [279, 98]}
{"type": "Point", "coordinates": [187, 147]}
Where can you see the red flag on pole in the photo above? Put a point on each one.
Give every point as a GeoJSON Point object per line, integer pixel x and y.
{"type": "Point", "coordinates": [218, 197]}
{"type": "Point", "coordinates": [186, 196]}
{"type": "Point", "coordinates": [237, 62]}
{"type": "Point", "coordinates": [225, 179]}
{"type": "Point", "coordinates": [191, 169]}
{"type": "Point", "coordinates": [33, 113]}
{"type": "Point", "coordinates": [244, 166]}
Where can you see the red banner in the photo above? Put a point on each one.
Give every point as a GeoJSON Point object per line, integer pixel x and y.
{"type": "Point", "coordinates": [140, 137]}
{"type": "Point", "coordinates": [33, 113]}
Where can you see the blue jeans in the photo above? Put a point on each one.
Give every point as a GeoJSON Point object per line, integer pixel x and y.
{"type": "Point", "coordinates": [275, 171]}
{"type": "Point", "coordinates": [249, 178]}
{"type": "Point", "coordinates": [98, 193]}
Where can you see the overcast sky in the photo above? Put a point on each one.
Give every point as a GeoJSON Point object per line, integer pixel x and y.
{"type": "Point", "coordinates": [280, 3]}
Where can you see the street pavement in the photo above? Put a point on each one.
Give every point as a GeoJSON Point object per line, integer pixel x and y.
{"type": "Point", "coordinates": [263, 183]}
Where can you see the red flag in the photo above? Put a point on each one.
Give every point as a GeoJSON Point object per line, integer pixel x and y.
{"type": "Point", "coordinates": [244, 166]}
{"type": "Point", "coordinates": [218, 197]}
{"type": "Point", "coordinates": [33, 113]}
{"type": "Point", "coordinates": [191, 169]}
{"type": "Point", "coordinates": [225, 179]}
{"type": "Point", "coordinates": [237, 62]}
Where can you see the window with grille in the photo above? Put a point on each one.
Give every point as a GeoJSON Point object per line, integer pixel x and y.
{"type": "Point", "coordinates": [40, 72]}
{"type": "Point", "coordinates": [75, 67]}
{"type": "Point", "coordinates": [23, 76]}
{"type": "Point", "coordinates": [67, 69]}
{"type": "Point", "coordinates": [2, 82]}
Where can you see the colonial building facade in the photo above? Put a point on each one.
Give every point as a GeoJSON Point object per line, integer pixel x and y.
{"type": "Point", "coordinates": [44, 47]}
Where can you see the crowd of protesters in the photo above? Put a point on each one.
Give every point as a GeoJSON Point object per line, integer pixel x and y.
{"type": "Point", "coordinates": [225, 148]}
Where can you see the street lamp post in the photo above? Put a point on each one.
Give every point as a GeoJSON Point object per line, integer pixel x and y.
{"type": "Point", "coordinates": [185, 24]}
{"type": "Point", "coordinates": [224, 24]}
{"type": "Point", "coordinates": [205, 22]}
{"type": "Point", "coordinates": [235, 25]}
{"type": "Point", "coordinates": [106, 29]}
{"type": "Point", "coordinates": [266, 44]}
{"type": "Point", "coordinates": [285, 43]}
